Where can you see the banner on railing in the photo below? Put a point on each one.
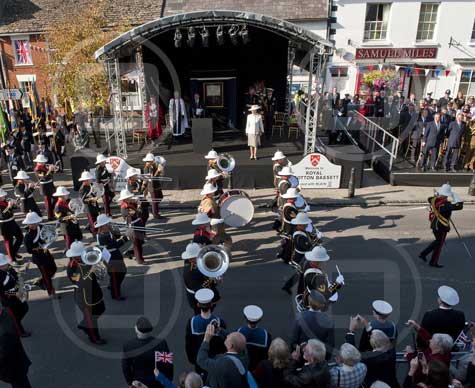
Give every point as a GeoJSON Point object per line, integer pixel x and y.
{"type": "Point", "coordinates": [315, 171]}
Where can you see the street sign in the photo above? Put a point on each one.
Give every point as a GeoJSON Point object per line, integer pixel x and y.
{"type": "Point", "coordinates": [11, 94]}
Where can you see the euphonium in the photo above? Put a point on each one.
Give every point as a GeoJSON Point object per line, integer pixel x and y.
{"type": "Point", "coordinates": [49, 234]}
{"type": "Point", "coordinates": [225, 163]}
{"type": "Point", "coordinates": [93, 257]}
{"type": "Point", "coordinates": [213, 261]}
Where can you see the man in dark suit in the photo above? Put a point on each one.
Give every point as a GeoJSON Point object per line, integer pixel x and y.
{"type": "Point", "coordinates": [314, 323]}
{"type": "Point", "coordinates": [14, 362]}
{"type": "Point", "coordinates": [143, 354]}
{"type": "Point", "coordinates": [455, 132]}
{"type": "Point", "coordinates": [228, 370]}
{"type": "Point", "coordinates": [417, 131]}
{"type": "Point", "coordinates": [430, 143]}
{"type": "Point", "coordinates": [443, 101]}
{"type": "Point", "coordinates": [335, 97]}
{"type": "Point", "coordinates": [444, 319]}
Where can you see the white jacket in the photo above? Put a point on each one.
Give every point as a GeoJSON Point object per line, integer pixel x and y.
{"type": "Point", "coordinates": [254, 125]}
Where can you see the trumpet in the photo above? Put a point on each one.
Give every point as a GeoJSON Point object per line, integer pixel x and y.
{"type": "Point", "coordinates": [93, 257]}
{"type": "Point", "coordinates": [11, 204]}
{"type": "Point", "coordinates": [54, 167]}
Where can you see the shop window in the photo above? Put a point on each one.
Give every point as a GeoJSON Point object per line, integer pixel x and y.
{"type": "Point", "coordinates": [25, 84]}
{"type": "Point", "coordinates": [376, 21]}
{"type": "Point", "coordinates": [339, 71]}
{"type": "Point", "coordinates": [427, 21]}
{"type": "Point", "coordinates": [130, 94]}
{"type": "Point", "coordinates": [22, 50]}
{"type": "Point", "coordinates": [467, 82]}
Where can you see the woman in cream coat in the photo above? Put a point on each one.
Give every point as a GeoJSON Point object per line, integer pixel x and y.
{"type": "Point", "coordinates": [254, 130]}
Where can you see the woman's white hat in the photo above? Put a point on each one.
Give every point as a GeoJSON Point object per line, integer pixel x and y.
{"type": "Point", "coordinates": [445, 190]}
{"type": "Point", "coordinates": [4, 259]}
{"type": "Point", "coordinates": [3, 193]}
{"type": "Point", "coordinates": [212, 155]}
{"type": "Point", "coordinates": [278, 156]}
{"type": "Point", "coordinates": [32, 218]}
{"type": "Point", "coordinates": [208, 188]}
{"type": "Point", "coordinates": [212, 174]}
{"type": "Point", "coordinates": [76, 249]}
{"type": "Point", "coordinates": [22, 175]}
{"type": "Point", "coordinates": [254, 107]}
{"type": "Point", "coordinates": [102, 219]}
{"type": "Point", "coordinates": [100, 158]}
{"type": "Point", "coordinates": [204, 295]}
{"type": "Point", "coordinates": [149, 158]}
{"type": "Point", "coordinates": [317, 254]}
{"type": "Point", "coordinates": [382, 307]}
{"type": "Point", "coordinates": [292, 192]}
{"type": "Point", "coordinates": [286, 171]}
{"type": "Point", "coordinates": [125, 194]}
{"type": "Point", "coordinates": [61, 191]}
{"type": "Point", "coordinates": [448, 295]}
{"type": "Point", "coordinates": [40, 159]}
{"type": "Point", "coordinates": [302, 218]}
{"type": "Point", "coordinates": [86, 176]}
{"type": "Point", "coordinates": [253, 313]}
{"type": "Point", "coordinates": [201, 219]}
{"type": "Point", "coordinates": [132, 172]}
{"type": "Point", "coordinates": [191, 251]}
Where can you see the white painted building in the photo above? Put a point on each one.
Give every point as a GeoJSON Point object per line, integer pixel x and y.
{"type": "Point", "coordinates": [369, 32]}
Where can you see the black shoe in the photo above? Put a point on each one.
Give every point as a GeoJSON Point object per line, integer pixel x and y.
{"type": "Point", "coordinates": [99, 341]}
{"type": "Point", "coordinates": [17, 256]}
{"type": "Point", "coordinates": [25, 334]}
{"type": "Point", "coordinates": [288, 290]}
{"type": "Point", "coordinates": [422, 257]}
{"type": "Point", "coordinates": [436, 265]}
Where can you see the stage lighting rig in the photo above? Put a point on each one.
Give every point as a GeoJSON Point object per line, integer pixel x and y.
{"type": "Point", "coordinates": [191, 36]}
{"type": "Point", "coordinates": [244, 34]}
{"type": "Point", "coordinates": [205, 37]}
{"type": "Point", "coordinates": [220, 35]}
{"type": "Point", "coordinates": [233, 34]}
{"type": "Point", "coordinates": [178, 37]}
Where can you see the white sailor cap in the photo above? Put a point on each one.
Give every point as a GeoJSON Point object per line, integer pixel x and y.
{"type": "Point", "coordinates": [382, 307]}
{"type": "Point", "coordinates": [204, 296]}
{"type": "Point", "coordinates": [253, 313]}
{"type": "Point", "coordinates": [448, 295]}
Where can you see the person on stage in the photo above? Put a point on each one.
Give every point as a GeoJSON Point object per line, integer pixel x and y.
{"type": "Point", "coordinates": [269, 104]}
{"type": "Point", "coordinates": [69, 224]}
{"type": "Point", "coordinates": [132, 214]}
{"type": "Point", "coordinates": [89, 199]}
{"type": "Point", "coordinates": [208, 205]}
{"type": "Point", "coordinates": [153, 117]}
{"type": "Point", "coordinates": [88, 294]}
{"type": "Point", "coordinates": [194, 279]}
{"type": "Point", "coordinates": [11, 296]}
{"type": "Point", "coordinates": [11, 232]}
{"type": "Point", "coordinates": [202, 234]}
{"type": "Point", "coordinates": [116, 268]}
{"type": "Point", "coordinates": [254, 130]}
{"type": "Point", "coordinates": [104, 177]}
{"type": "Point", "coordinates": [24, 191]}
{"type": "Point", "coordinates": [440, 212]}
{"type": "Point", "coordinates": [40, 255]}
{"type": "Point", "coordinates": [177, 112]}
{"type": "Point", "coordinates": [155, 168]}
{"type": "Point", "coordinates": [45, 177]}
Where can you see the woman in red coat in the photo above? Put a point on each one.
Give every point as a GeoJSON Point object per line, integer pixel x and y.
{"type": "Point", "coordinates": [153, 117]}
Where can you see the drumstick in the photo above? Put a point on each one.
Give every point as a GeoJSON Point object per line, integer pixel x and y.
{"type": "Point", "coordinates": [338, 269]}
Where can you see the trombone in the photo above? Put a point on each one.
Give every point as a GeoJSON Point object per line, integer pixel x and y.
{"type": "Point", "coordinates": [149, 177]}
{"type": "Point", "coordinates": [125, 226]}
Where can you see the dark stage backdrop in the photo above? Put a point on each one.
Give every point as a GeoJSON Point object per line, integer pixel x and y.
{"type": "Point", "coordinates": [263, 58]}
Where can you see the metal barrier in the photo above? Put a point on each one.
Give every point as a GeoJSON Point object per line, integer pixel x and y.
{"type": "Point", "coordinates": [378, 136]}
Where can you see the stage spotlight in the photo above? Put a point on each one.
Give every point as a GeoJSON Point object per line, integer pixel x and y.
{"type": "Point", "coordinates": [220, 35]}
{"type": "Point", "coordinates": [178, 38]}
{"type": "Point", "coordinates": [244, 33]}
{"type": "Point", "coordinates": [233, 34]}
{"type": "Point", "coordinates": [205, 37]}
{"type": "Point", "coordinates": [191, 36]}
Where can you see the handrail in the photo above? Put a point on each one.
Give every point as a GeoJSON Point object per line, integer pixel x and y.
{"type": "Point", "coordinates": [372, 131]}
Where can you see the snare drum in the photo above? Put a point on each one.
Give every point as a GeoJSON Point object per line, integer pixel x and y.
{"type": "Point", "coordinates": [236, 208]}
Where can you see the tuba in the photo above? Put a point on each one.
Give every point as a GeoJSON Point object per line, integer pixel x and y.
{"type": "Point", "coordinates": [49, 234]}
{"type": "Point", "coordinates": [225, 163]}
{"type": "Point", "coordinates": [93, 257]}
{"type": "Point", "coordinates": [213, 261]}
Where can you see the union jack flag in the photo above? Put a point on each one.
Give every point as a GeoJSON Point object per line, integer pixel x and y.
{"type": "Point", "coordinates": [22, 52]}
{"type": "Point", "coordinates": [166, 358]}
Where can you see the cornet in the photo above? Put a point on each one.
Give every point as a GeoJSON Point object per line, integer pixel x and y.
{"type": "Point", "coordinates": [93, 257]}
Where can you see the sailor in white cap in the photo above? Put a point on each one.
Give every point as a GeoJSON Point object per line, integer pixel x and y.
{"type": "Point", "coordinates": [196, 327]}
{"type": "Point", "coordinates": [104, 177]}
{"type": "Point", "coordinates": [44, 175]}
{"type": "Point", "coordinates": [9, 295]}
{"type": "Point", "coordinates": [69, 224]}
{"type": "Point", "coordinates": [192, 277]}
{"type": "Point", "coordinates": [208, 205]}
{"type": "Point", "coordinates": [258, 339]}
{"type": "Point", "coordinates": [110, 241]}
{"type": "Point", "coordinates": [88, 295]}
{"type": "Point", "coordinates": [88, 197]}
{"type": "Point", "coordinates": [40, 254]}
{"type": "Point", "coordinates": [444, 319]}
{"type": "Point", "coordinates": [24, 191]}
{"type": "Point", "coordinates": [440, 212]}
{"type": "Point", "coordinates": [154, 168]}
{"type": "Point", "coordinates": [133, 216]}
{"type": "Point", "coordinates": [202, 233]}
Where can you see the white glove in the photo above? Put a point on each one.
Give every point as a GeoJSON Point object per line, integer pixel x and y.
{"type": "Point", "coordinates": [456, 198]}
{"type": "Point", "coordinates": [62, 150]}
{"type": "Point", "coordinates": [340, 280]}
{"type": "Point", "coordinates": [319, 235]}
{"type": "Point", "coordinates": [307, 208]}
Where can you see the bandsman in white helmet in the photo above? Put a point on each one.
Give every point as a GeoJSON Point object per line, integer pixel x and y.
{"type": "Point", "coordinates": [155, 166]}
{"type": "Point", "coordinates": [132, 214]}
{"type": "Point", "coordinates": [208, 204]}
{"type": "Point", "coordinates": [44, 175]}
{"type": "Point", "coordinates": [24, 191]}
{"type": "Point", "coordinates": [69, 223]}
{"type": "Point", "coordinates": [88, 197]}
{"type": "Point", "coordinates": [139, 188]}
{"type": "Point", "coordinates": [104, 177]}
{"type": "Point", "coordinates": [11, 232]}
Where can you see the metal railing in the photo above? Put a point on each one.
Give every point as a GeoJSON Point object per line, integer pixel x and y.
{"type": "Point", "coordinates": [377, 136]}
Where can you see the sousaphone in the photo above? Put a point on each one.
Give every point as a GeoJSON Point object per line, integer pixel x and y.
{"type": "Point", "coordinates": [213, 261]}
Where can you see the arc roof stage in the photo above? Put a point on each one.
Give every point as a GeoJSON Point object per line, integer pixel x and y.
{"type": "Point", "coordinates": [136, 36]}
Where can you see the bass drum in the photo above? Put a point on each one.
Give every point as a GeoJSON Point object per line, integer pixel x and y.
{"type": "Point", "coordinates": [236, 208]}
